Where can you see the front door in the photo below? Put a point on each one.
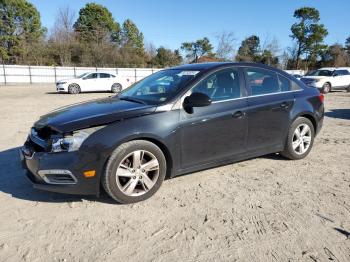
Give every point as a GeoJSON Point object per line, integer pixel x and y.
{"type": "Point", "coordinates": [218, 131]}
{"type": "Point", "coordinates": [89, 82]}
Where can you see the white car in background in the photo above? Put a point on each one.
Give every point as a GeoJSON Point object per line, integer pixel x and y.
{"type": "Point", "coordinates": [329, 78]}
{"type": "Point", "coordinates": [92, 82]}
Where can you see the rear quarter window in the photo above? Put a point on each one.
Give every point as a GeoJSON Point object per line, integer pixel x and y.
{"type": "Point", "coordinates": [287, 84]}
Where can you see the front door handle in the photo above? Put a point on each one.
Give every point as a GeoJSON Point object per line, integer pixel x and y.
{"type": "Point", "coordinates": [238, 114]}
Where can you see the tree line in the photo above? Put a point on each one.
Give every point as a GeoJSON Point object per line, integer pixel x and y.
{"type": "Point", "coordinates": [95, 38]}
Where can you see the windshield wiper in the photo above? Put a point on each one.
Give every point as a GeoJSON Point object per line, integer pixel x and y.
{"type": "Point", "coordinates": [132, 99]}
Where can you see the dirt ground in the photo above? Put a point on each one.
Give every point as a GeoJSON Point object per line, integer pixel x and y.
{"type": "Point", "coordinates": [264, 209]}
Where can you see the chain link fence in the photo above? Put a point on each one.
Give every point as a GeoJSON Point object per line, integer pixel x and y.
{"type": "Point", "coordinates": [26, 74]}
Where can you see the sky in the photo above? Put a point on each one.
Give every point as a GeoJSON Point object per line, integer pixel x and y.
{"type": "Point", "coordinates": [169, 23]}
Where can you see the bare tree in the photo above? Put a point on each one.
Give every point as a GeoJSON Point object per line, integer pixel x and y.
{"type": "Point", "coordinates": [271, 45]}
{"type": "Point", "coordinates": [150, 49]}
{"type": "Point", "coordinates": [226, 45]}
{"type": "Point", "coordinates": [63, 36]}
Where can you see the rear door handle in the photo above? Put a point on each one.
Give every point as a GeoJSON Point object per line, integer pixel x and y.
{"type": "Point", "coordinates": [238, 114]}
{"type": "Point", "coordinates": [284, 105]}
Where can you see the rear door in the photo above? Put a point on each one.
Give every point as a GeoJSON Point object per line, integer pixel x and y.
{"type": "Point", "coordinates": [104, 82]}
{"type": "Point", "coordinates": [269, 105]}
{"type": "Point", "coordinates": [341, 78]}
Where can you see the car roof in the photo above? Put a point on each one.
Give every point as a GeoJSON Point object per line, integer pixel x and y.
{"type": "Point", "coordinates": [104, 72]}
{"type": "Point", "coordinates": [216, 65]}
{"type": "Point", "coordinates": [335, 68]}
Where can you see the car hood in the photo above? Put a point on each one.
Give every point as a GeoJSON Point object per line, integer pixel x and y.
{"type": "Point", "coordinates": [68, 80]}
{"type": "Point", "coordinates": [314, 77]}
{"type": "Point", "coordinates": [92, 113]}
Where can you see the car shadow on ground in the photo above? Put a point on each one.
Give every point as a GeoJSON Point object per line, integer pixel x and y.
{"type": "Point", "coordinates": [13, 181]}
{"type": "Point", "coordinates": [339, 113]}
{"type": "Point", "coordinates": [85, 92]}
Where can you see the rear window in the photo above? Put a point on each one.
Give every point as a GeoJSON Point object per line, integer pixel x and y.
{"type": "Point", "coordinates": [341, 72]}
{"type": "Point", "coordinates": [262, 81]}
{"type": "Point", "coordinates": [286, 84]}
{"type": "Point", "coordinates": [321, 72]}
{"type": "Point", "coordinates": [103, 75]}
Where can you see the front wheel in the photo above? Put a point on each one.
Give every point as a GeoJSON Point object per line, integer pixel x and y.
{"type": "Point", "coordinates": [300, 139]}
{"type": "Point", "coordinates": [134, 172]}
{"type": "Point", "coordinates": [116, 88]}
{"type": "Point", "coordinates": [326, 88]}
{"type": "Point", "coordinates": [73, 89]}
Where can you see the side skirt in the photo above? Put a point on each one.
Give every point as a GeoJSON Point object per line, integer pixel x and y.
{"type": "Point", "coordinates": [230, 160]}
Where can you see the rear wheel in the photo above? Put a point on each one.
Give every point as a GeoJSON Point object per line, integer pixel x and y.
{"type": "Point", "coordinates": [116, 88]}
{"type": "Point", "coordinates": [300, 139]}
{"type": "Point", "coordinates": [326, 88]}
{"type": "Point", "coordinates": [348, 88]}
{"type": "Point", "coordinates": [74, 89]}
{"type": "Point", "coordinates": [134, 172]}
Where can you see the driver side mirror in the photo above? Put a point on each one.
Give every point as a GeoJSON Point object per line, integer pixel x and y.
{"type": "Point", "coordinates": [196, 100]}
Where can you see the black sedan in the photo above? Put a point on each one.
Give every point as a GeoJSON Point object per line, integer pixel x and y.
{"type": "Point", "coordinates": [176, 121]}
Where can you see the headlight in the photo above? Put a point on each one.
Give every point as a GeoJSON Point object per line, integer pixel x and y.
{"type": "Point", "coordinates": [72, 142]}
{"type": "Point", "coordinates": [69, 143]}
{"type": "Point", "coordinates": [61, 83]}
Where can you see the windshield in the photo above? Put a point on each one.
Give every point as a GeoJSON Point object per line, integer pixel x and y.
{"type": "Point", "coordinates": [159, 87]}
{"type": "Point", "coordinates": [320, 73]}
{"type": "Point", "coordinates": [82, 75]}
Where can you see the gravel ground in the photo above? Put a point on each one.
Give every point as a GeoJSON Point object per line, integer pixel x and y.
{"type": "Point", "coordinates": [264, 209]}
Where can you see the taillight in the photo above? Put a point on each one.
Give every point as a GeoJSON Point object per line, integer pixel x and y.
{"type": "Point", "coordinates": [321, 97]}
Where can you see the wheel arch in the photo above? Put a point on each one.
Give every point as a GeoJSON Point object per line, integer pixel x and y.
{"type": "Point", "coordinates": [163, 148]}
{"type": "Point", "coordinates": [309, 116]}
{"type": "Point", "coordinates": [74, 83]}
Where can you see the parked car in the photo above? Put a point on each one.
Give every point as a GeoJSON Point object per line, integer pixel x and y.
{"type": "Point", "coordinates": [297, 76]}
{"type": "Point", "coordinates": [92, 81]}
{"type": "Point", "coordinates": [176, 121]}
{"type": "Point", "coordinates": [329, 78]}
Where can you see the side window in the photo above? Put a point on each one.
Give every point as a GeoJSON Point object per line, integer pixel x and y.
{"type": "Point", "coordinates": [262, 81]}
{"type": "Point", "coordinates": [295, 86]}
{"type": "Point", "coordinates": [341, 72]}
{"type": "Point", "coordinates": [221, 85]}
{"type": "Point", "coordinates": [104, 75]}
{"type": "Point", "coordinates": [91, 76]}
{"type": "Point", "coordinates": [286, 84]}
{"type": "Point", "coordinates": [338, 73]}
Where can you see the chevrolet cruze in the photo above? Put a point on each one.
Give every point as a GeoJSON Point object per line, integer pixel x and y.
{"type": "Point", "coordinates": [176, 121]}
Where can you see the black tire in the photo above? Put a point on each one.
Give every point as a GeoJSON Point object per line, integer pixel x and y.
{"type": "Point", "coordinates": [326, 88]}
{"type": "Point", "coordinates": [116, 88]}
{"type": "Point", "coordinates": [348, 88]}
{"type": "Point", "coordinates": [289, 152]}
{"type": "Point", "coordinates": [73, 89]}
{"type": "Point", "coordinates": [109, 178]}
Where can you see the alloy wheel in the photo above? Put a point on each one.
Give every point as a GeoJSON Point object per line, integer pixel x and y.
{"type": "Point", "coordinates": [137, 173]}
{"type": "Point", "coordinates": [116, 88]}
{"type": "Point", "coordinates": [301, 139]}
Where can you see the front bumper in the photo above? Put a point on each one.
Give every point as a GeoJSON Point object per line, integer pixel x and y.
{"type": "Point", "coordinates": [61, 88]}
{"type": "Point", "coordinates": [60, 172]}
